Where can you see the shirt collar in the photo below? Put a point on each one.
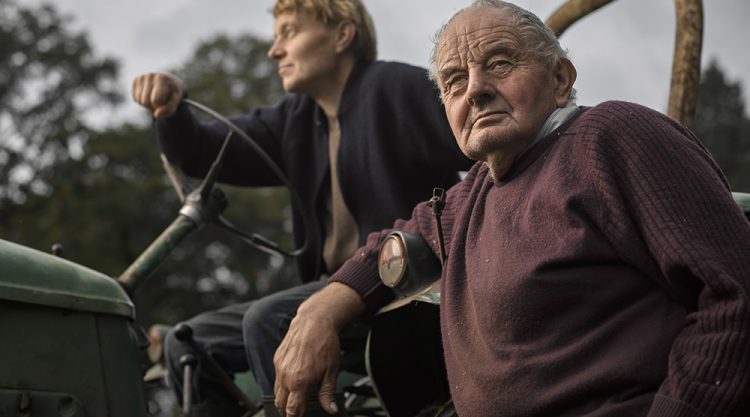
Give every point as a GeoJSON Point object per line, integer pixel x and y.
{"type": "Point", "coordinates": [558, 117]}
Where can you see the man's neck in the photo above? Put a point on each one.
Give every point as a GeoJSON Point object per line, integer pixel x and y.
{"type": "Point", "coordinates": [499, 166]}
{"type": "Point", "coordinates": [328, 94]}
{"type": "Point", "coordinates": [500, 163]}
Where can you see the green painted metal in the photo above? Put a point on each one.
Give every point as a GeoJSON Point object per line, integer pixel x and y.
{"type": "Point", "coordinates": [87, 356]}
{"type": "Point", "coordinates": [39, 403]}
{"type": "Point", "coordinates": [743, 200]}
{"type": "Point", "coordinates": [31, 276]}
{"type": "Point", "coordinates": [153, 256]}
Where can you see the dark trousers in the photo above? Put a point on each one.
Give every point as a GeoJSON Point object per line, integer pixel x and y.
{"type": "Point", "coordinates": [240, 337]}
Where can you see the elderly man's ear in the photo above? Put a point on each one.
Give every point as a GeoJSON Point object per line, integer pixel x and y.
{"type": "Point", "coordinates": [565, 75]}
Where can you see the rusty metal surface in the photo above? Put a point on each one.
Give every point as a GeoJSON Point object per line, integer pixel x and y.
{"type": "Point", "coordinates": [429, 295]}
{"type": "Point", "coordinates": [153, 256]}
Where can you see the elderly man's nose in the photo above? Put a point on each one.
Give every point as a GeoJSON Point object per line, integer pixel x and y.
{"type": "Point", "coordinates": [479, 90]}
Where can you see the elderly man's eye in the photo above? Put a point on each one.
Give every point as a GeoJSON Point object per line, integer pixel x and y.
{"type": "Point", "coordinates": [500, 66]}
{"type": "Point", "coordinates": [453, 82]}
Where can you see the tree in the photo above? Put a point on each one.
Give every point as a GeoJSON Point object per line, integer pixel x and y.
{"type": "Point", "coordinates": [230, 75]}
{"type": "Point", "coordinates": [50, 78]}
{"type": "Point", "coordinates": [104, 194]}
{"type": "Point", "coordinates": [723, 126]}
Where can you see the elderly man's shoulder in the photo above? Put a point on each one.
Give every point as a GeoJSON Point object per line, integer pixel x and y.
{"type": "Point", "coordinates": [619, 115]}
{"type": "Point", "coordinates": [620, 126]}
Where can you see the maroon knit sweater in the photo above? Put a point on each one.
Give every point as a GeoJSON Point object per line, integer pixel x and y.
{"type": "Point", "coordinates": [606, 274]}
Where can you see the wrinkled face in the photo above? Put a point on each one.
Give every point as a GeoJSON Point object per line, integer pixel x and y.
{"type": "Point", "coordinates": [496, 96]}
{"type": "Point", "coordinates": [305, 51]}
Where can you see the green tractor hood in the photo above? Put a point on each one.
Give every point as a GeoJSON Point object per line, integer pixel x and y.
{"type": "Point", "coordinates": [34, 277]}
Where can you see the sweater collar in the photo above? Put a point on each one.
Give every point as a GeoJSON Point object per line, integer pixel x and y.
{"type": "Point", "coordinates": [558, 117]}
{"type": "Point", "coordinates": [553, 127]}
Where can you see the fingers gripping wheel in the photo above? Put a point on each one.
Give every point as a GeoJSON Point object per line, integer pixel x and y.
{"type": "Point", "coordinates": [205, 192]}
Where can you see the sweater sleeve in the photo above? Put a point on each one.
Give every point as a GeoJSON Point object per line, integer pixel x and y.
{"type": "Point", "coordinates": [669, 212]}
{"type": "Point", "coordinates": [193, 144]}
{"type": "Point", "coordinates": [360, 272]}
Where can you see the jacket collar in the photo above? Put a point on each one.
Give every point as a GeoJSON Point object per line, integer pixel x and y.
{"type": "Point", "coordinates": [352, 87]}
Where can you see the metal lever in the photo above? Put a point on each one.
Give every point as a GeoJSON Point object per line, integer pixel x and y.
{"type": "Point", "coordinates": [184, 333]}
{"type": "Point", "coordinates": [187, 362]}
{"type": "Point", "coordinates": [437, 202]}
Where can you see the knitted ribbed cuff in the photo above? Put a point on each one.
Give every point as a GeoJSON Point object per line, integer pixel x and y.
{"type": "Point", "coordinates": [362, 277]}
{"type": "Point", "coordinates": [668, 407]}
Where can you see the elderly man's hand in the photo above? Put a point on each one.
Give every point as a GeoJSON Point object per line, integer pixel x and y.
{"type": "Point", "coordinates": [159, 92]}
{"type": "Point", "coordinates": [308, 357]}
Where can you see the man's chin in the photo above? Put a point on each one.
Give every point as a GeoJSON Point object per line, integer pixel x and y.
{"type": "Point", "coordinates": [473, 154]}
{"type": "Point", "coordinates": [478, 150]}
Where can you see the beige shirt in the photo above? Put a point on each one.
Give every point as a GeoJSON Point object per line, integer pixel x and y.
{"type": "Point", "coordinates": [342, 236]}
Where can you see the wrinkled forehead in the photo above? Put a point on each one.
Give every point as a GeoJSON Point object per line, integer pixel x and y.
{"type": "Point", "coordinates": [476, 32]}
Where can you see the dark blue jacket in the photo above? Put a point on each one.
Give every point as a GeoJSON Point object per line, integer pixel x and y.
{"type": "Point", "coordinates": [396, 145]}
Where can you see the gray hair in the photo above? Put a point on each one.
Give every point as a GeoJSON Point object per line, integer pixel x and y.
{"type": "Point", "coordinates": [538, 39]}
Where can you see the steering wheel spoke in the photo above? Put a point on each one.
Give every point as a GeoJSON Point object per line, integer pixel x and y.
{"type": "Point", "coordinates": [194, 200]}
{"type": "Point", "coordinates": [175, 178]}
{"type": "Point", "coordinates": [259, 242]}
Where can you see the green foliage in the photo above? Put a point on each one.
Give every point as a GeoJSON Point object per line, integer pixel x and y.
{"type": "Point", "coordinates": [214, 268]}
{"type": "Point", "coordinates": [232, 74]}
{"type": "Point", "coordinates": [94, 208]}
{"type": "Point", "coordinates": [723, 126]}
{"type": "Point", "coordinates": [103, 193]}
{"type": "Point", "coordinates": [50, 78]}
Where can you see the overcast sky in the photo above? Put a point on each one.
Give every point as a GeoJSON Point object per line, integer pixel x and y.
{"type": "Point", "coordinates": [622, 51]}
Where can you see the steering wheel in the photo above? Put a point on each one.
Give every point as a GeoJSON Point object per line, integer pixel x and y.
{"type": "Point", "coordinates": [206, 188]}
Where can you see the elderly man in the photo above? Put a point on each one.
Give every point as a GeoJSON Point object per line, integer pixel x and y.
{"type": "Point", "coordinates": [351, 127]}
{"type": "Point", "coordinates": [597, 264]}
